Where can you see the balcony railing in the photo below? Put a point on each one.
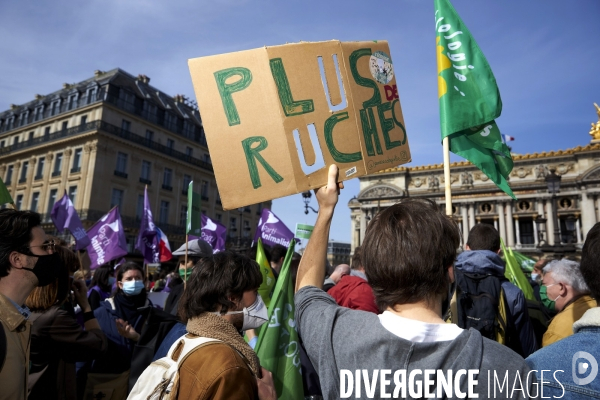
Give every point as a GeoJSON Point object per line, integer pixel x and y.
{"type": "Point", "coordinates": [167, 187]}
{"type": "Point", "coordinates": [145, 181]}
{"type": "Point", "coordinates": [113, 130]}
{"type": "Point", "coordinates": [121, 174]}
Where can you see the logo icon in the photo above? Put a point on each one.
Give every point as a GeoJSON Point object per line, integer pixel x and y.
{"type": "Point", "coordinates": [580, 367]}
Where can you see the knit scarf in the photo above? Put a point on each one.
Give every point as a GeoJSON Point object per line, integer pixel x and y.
{"type": "Point", "coordinates": [213, 326]}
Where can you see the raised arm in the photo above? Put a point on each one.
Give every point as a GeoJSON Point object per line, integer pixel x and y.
{"type": "Point", "coordinates": [312, 265]}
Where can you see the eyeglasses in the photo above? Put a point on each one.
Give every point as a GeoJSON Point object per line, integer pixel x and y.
{"type": "Point", "coordinates": [47, 246]}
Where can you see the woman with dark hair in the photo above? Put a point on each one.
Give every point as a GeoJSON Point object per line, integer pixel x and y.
{"type": "Point", "coordinates": [57, 340]}
{"type": "Point", "coordinates": [101, 285]}
{"type": "Point", "coordinates": [121, 320]}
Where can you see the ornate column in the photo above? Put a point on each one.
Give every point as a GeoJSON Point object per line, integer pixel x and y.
{"type": "Point", "coordinates": [535, 233]}
{"type": "Point", "coordinates": [501, 219]}
{"type": "Point", "coordinates": [465, 222]}
{"type": "Point", "coordinates": [363, 225]}
{"type": "Point", "coordinates": [517, 231]}
{"type": "Point", "coordinates": [510, 226]}
{"type": "Point", "coordinates": [471, 214]}
{"type": "Point", "coordinates": [354, 232]}
{"type": "Point", "coordinates": [496, 222]}
{"type": "Point", "coordinates": [28, 182]}
{"type": "Point", "coordinates": [588, 211]}
{"type": "Point", "coordinates": [578, 229]}
{"type": "Point", "coordinates": [550, 222]}
{"type": "Point", "coordinates": [65, 170]}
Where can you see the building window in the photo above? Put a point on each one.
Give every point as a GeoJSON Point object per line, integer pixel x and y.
{"type": "Point", "coordinates": [167, 176]}
{"type": "Point", "coordinates": [34, 201]}
{"type": "Point", "coordinates": [139, 211]}
{"type": "Point", "coordinates": [207, 159]}
{"type": "Point", "coordinates": [218, 217]}
{"type": "Point", "coordinates": [52, 200]}
{"type": "Point", "coordinates": [76, 160]}
{"type": "Point", "coordinates": [149, 135]}
{"type": "Point", "coordinates": [73, 193]}
{"type": "Point", "coordinates": [47, 131]}
{"type": "Point", "coordinates": [189, 151]}
{"type": "Point", "coordinates": [2, 143]}
{"type": "Point", "coordinates": [232, 226]}
{"type": "Point", "coordinates": [146, 170]}
{"type": "Point", "coordinates": [183, 215]}
{"type": "Point", "coordinates": [246, 228]}
{"type": "Point", "coordinates": [24, 168]}
{"type": "Point", "coordinates": [65, 125]}
{"type": "Point", "coordinates": [72, 102]}
{"type": "Point", "coordinates": [204, 190]}
{"type": "Point", "coordinates": [121, 169]}
{"type": "Point", "coordinates": [40, 168]}
{"type": "Point", "coordinates": [186, 184]}
{"type": "Point", "coordinates": [57, 164]}
{"type": "Point", "coordinates": [91, 95]}
{"type": "Point", "coordinates": [19, 201]}
{"type": "Point", "coordinates": [116, 199]}
{"type": "Point", "coordinates": [55, 107]}
{"type": "Point", "coordinates": [30, 135]}
{"type": "Point", "coordinates": [39, 111]}
{"type": "Point", "coordinates": [15, 140]}
{"type": "Point", "coordinates": [164, 212]}
{"type": "Point", "coordinates": [83, 120]}
{"type": "Point", "coordinates": [126, 125]}
{"type": "Point", "coordinates": [9, 172]}
{"type": "Point", "coordinates": [10, 123]}
{"type": "Point", "coordinates": [170, 143]}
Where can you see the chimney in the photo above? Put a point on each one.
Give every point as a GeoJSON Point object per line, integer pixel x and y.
{"type": "Point", "coordinates": [97, 73]}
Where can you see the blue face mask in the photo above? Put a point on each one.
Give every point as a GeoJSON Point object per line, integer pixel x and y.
{"type": "Point", "coordinates": [131, 288]}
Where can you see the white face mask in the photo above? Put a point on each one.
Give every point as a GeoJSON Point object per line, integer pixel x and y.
{"type": "Point", "coordinates": [535, 277]}
{"type": "Point", "coordinates": [254, 316]}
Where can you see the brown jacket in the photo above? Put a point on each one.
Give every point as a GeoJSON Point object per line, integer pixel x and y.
{"type": "Point", "coordinates": [561, 325]}
{"type": "Point", "coordinates": [216, 371]}
{"type": "Point", "coordinates": [13, 376]}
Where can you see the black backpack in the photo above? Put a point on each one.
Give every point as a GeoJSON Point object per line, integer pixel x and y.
{"type": "Point", "coordinates": [479, 303]}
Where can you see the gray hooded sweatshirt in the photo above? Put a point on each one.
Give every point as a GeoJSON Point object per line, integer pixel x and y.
{"type": "Point", "coordinates": [356, 357]}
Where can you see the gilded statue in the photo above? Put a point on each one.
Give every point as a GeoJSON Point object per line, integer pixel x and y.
{"type": "Point", "coordinates": [595, 131]}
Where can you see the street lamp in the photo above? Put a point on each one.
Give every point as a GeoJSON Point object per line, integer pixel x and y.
{"type": "Point", "coordinates": [541, 228]}
{"type": "Point", "coordinates": [553, 183]}
{"type": "Point", "coordinates": [239, 243]}
{"type": "Point", "coordinates": [306, 198]}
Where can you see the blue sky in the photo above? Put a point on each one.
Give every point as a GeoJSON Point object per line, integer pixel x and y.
{"type": "Point", "coordinates": [545, 55]}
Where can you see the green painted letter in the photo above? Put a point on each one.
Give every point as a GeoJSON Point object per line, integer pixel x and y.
{"type": "Point", "coordinates": [366, 82]}
{"type": "Point", "coordinates": [226, 89]}
{"type": "Point", "coordinates": [387, 124]}
{"type": "Point", "coordinates": [290, 107]}
{"type": "Point", "coordinates": [253, 154]}
{"type": "Point", "coordinates": [370, 131]}
{"type": "Point", "coordinates": [335, 153]}
{"type": "Point", "coordinates": [403, 141]}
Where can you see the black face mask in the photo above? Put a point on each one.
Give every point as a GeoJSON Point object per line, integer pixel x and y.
{"type": "Point", "coordinates": [47, 268]}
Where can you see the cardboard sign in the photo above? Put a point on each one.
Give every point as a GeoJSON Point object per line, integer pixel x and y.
{"type": "Point", "coordinates": [277, 117]}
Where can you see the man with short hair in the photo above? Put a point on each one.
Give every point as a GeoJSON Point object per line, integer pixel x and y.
{"type": "Point", "coordinates": [408, 255]}
{"type": "Point", "coordinates": [353, 290]}
{"type": "Point", "coordinates": [574, 360]}
{"type": "Point", "coordinates": [337, 274]}
{"type": "Point", "coordinates": [564, 290]}
{"type": "Point", "coordinates": [277, 256]}
{"type": "Point", "coordinates": [196, 250]}
{"type": "Point", "coordinates": [482, 257]}
{"type": "Point", "coordinates": [27, 260]}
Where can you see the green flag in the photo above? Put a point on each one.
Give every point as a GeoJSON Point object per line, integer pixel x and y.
{"type": "Point", "coordinates": [4, 195]}
{"type": "Point", "coordinates": [278, 345]}
{"type": "Point", "coordinates": [524, 262]}
{"type": "Point", "coordinates": [513, 272]}
{"type": "Point", "coordinates": [469, 98]}
{"type": "Point", "coordinates": [194, 219]}
{"type": "Point", "coordinates": [268, 282]}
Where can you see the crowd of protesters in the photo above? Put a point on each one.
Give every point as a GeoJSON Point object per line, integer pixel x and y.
{"type": "Point", "coordinates": [399, 306]}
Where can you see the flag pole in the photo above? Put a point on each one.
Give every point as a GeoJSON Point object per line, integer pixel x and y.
{"type": "Point", "coordinates": [447, 183]}
{"type": "Point", "coordinates": [186, 258]}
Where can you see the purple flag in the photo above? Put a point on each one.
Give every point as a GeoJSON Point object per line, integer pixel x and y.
{"type": "Point", "coordinates": [272, 231]}
{"type": "Point", "coordinates": [214, 233]}
{"type": "Point", "coordinates": [107, 239]}
{"type": "Point", "coordinates": [64, 216]}
{"type": "Point", "coordinates": [147, 241]}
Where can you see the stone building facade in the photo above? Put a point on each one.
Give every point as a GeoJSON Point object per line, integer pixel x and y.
{"type": "Point", "coordinates": [476, 199]}
{"type": "Point", "coordinates": [102, 141]}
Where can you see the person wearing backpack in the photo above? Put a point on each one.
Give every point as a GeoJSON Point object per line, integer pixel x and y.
{"type": "Point", "coordinates": [485, 299]}
{"type": "Point", "coordinates": [213, 361]}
